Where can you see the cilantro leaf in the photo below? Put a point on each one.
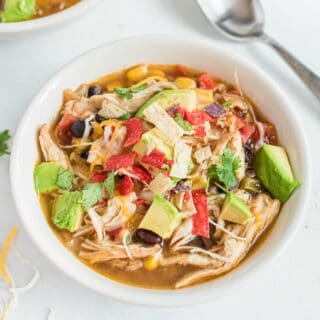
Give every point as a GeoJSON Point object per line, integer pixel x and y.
{"type": "Point", "coordinates": [109, 183]}
{"type": "Point", "coordinates": [4, 139]}
{"type": "Point", "coordinates": [224, 170]}
{"type": "Point", "coordinates": [183, 124]}
{"type": "Point", "coordinates": [125, 116]}
{"type": "Point", "coordinates": [91, 194]}
{"type": "Point", "coordinates": [64, 179]}
{"type": "Point", "coordinates": [228, 103]}
{"type": "Point", "coordinates": [127, 93]}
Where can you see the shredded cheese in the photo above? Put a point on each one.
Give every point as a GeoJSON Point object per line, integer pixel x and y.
{"type": "Point", "coordinates": [4, 253]}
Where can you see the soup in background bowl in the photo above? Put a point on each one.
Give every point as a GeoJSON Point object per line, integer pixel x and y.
{"type": "Point", "coordinates": [213, 61]}
{"type": "Point", "coordinates": [18, 10]}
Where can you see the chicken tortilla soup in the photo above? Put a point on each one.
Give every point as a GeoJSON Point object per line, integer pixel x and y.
{"type": "Point", "coordinates": [160, 176]}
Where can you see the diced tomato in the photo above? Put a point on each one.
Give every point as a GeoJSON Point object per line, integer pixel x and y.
{"type": "Point", "coordinates": [181, 71]}
{"type": "Point", "coordinates": [200, 132]}
{"type": "Point", "coordinates": [167, 173]}
{"type": "Point", "coordinates": [170, 162]}
{"type": "Point", "coordinates": [142, 174]}
{"type": "Point", "coordinates": [270, 135]}
{"type": "Point", "coordinates": [205, 82]}
{"type": "Point", "coordinates": [63, 128]}
{"type": "Point", "coordinates": [200, 220]}
{"type": "Point", "coordinates": [126, 186]}
{"type": "Point", "coordinates": [103, 200]}
{"type": "Point", "coordinates": [116, 234]}
{"type": "Point", "coordinates": [247, 131]}
{"type": "Point", "coordinates": [120, 161]}
{"type": "Point", "coordinates": [99, 177]}
{"type": "Point", "coordinates": [139, 202]}
{"type": "Point", "coordinates": [197, 117]}
{"type": "Point", "coordinates": [134, 131]}
{"type": "Point", "coordinates": [155, 158]}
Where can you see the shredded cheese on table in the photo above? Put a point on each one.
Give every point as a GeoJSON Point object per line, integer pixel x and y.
{"type": "Point", "coordinates": [4, 253]}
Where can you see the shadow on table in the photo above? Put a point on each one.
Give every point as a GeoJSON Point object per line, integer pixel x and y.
{"type": "Point", "coordinates": [190, 14]}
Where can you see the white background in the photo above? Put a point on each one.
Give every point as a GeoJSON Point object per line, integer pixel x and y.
{"type": "Point", "coordinates": [287, 289]}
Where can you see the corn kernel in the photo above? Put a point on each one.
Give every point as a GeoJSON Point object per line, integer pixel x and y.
{"type": "Point", "coordinates": [114, 84]}
{"type": "Point", "coordinates": [157, 73]}
{"type": "Point", "coordinates": [138, 73]}
{"type": "Point", "coordinates": [152, 262]}
{"type": "Point", "coordinates": [204, 97]}
{"type": "Point", "coordinates": [97, 130]}
{"type": "Point", "coordinates": [185, 83]}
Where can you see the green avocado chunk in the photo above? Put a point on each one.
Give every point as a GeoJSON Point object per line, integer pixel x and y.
{"type": "Point", "coordinates": [17, 10]}
{"type": "Point", "coordinates": [161, 218]}
{"type": "Point", "coordinates": [168, 98]}
{"type": "Point", "coordinates": [49, 176]}
{"type": "Point", "coordinates": [272, 167]}
{"type": "Point", "coordinates": [45, 177]}
{"type": "Point", "coordinates": [67, 211]}
{"type": "Point", "coordinates": [235, 210]}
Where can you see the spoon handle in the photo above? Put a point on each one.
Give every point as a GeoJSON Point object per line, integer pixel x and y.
{"type": "Point", "coordinates": [311, 80]}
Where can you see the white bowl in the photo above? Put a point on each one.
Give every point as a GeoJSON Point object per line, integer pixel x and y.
{"type": "Point", "coordinates": [23, 28]}
{"type": "Point", "coordinates": [166, 50]}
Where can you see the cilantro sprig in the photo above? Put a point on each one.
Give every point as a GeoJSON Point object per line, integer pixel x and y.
{"type": "Point", "coordinates": [4, 139]}
{"type": "Point", "coordinates": [92, 193]}
{"type": "Point", "coordinates": [183, 124]}
{"type": "Point", "coordinates": [225, 170]}
{"type": "Point", "coordinates": [109, 183]}
{"type": "Point", "coordinates": [127, 93]}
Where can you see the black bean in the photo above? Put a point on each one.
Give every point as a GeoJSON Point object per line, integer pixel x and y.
{"type": "Point", "coordinates": [99, 118]}
{"type": "Point", "coordinates": [148, 237]}
{"type": "Point", "coordinates": [84, 154]}
{"type": "Point", "coordinates": [94, 91]}
{"type": "Point", "coordinates": [77, 128]}
{"type": "Point", "coordinates": [249, 152]}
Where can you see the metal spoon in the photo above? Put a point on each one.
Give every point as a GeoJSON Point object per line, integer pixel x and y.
{"type": "Point", "coordinates": [244, 20]}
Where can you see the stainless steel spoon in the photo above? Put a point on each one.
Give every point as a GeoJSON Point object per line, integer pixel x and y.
{"type": "Point", "coordinates": [244, 20]}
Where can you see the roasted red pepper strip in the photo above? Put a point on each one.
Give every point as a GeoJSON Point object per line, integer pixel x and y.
{"type": "Point", "coordinates": [126, 186]}
{"type": "Point", "coordinates": [155, 158]}
{"type": "Point", "coordinates": [205, 82]}
{"type": "Point", "coordinates": [197, 117]}
{"type": "Point", "coordinates": [120, 161]}
{"type": "Point", "coordinates": [200, 220]}
{"type": "Point", "coordinates": [142, 174]}
{"type": "Point", "coordinates": [63, 128]}
{"type": "Point", "coordinates": [200, 132]}
{"type": "Point", "coordinates": [99, 177]}
{"type": "Point", "coordinates": [134, 131]}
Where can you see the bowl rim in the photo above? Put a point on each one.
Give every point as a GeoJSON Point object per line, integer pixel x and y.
{"type": "Point", "coordinates": [181, 297]}
{"type": "Point", "coordinates": [47, 21]}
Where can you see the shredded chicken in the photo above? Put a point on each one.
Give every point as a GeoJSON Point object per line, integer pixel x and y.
{"type": "Point", "coordinates": [107, 250]}
{"type": "Point", "coordinates": [50, 150]}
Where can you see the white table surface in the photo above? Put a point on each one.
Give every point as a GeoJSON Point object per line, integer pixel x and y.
{"type": "Point", "coordinates": [289, 288]}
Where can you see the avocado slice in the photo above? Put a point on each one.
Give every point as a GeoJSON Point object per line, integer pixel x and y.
{"type": "Point", "coordinates": [161, 218]}
{"type": "Point", "coordinates": [17, 10]}
{"type": "Point", "coordinates": [49, 176]}
{"type": "Point", "coordinates": [272, 167]}
{"type": "Point", "coordinates": [67, 211]}
{"type": "Point", "coordinates": [235, 210]}
{"type": "Point", "coordinates": [45, 177]}
{"type": "Point", "coordinates": [168, 98]}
